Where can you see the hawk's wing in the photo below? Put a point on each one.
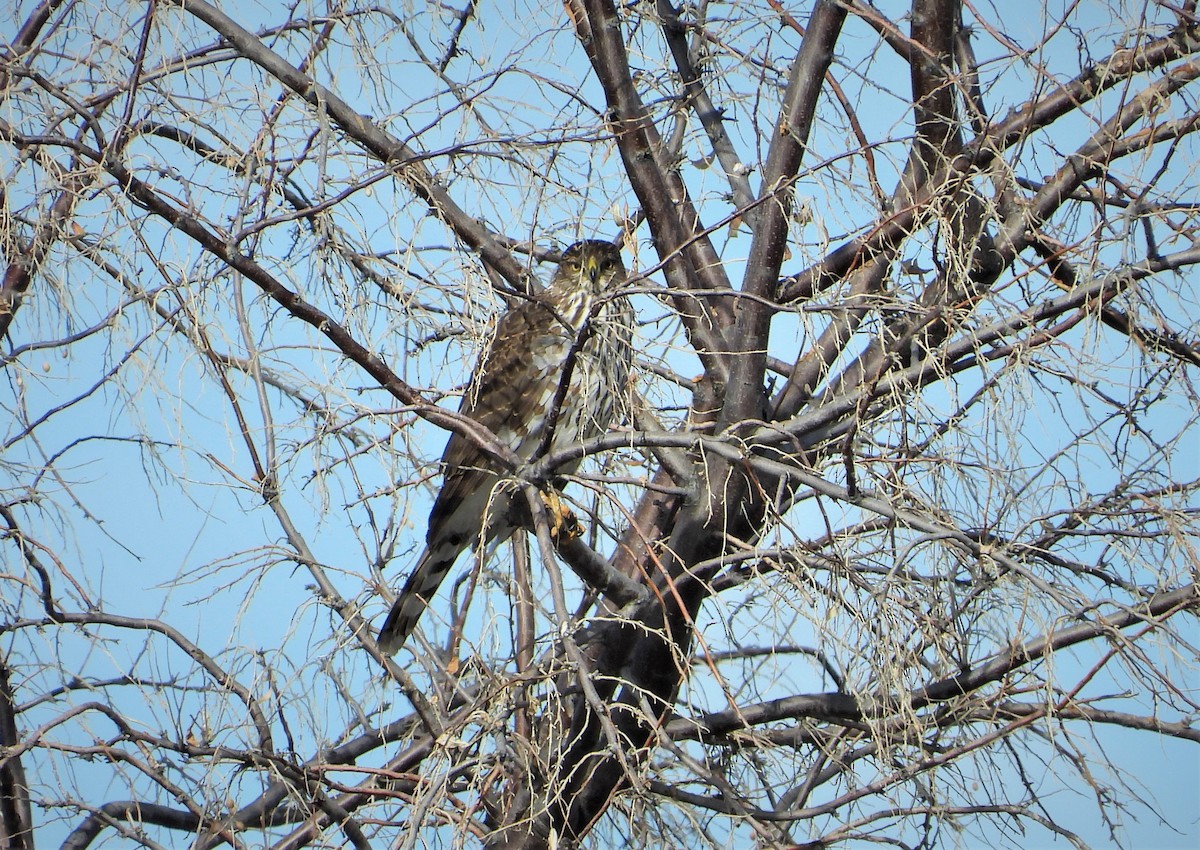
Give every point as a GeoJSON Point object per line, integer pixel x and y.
{"type": "Point", "coordinates": [510, 390]}
{"type": "Point", "coordinates": [509, 394]}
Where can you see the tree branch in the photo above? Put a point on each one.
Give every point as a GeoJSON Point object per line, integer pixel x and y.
{"type": "Point", "coordinates": [406, 161]}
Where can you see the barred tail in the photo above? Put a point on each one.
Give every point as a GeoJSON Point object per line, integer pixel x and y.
{"type": "Point", "coordinates": [422, 584]}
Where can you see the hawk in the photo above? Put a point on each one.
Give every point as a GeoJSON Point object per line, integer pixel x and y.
{"type": "Point", "coordinates": [511, 392]}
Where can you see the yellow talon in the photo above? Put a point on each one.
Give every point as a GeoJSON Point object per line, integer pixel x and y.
{"type": "Point", "coordinates": [564, 525]}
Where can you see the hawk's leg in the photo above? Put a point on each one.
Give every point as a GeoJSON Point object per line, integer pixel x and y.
{"type": "Point", "coordinates": [564, 525]}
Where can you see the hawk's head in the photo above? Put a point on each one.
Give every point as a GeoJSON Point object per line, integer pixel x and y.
{"type": "Point", "coordinates": [592, 265]}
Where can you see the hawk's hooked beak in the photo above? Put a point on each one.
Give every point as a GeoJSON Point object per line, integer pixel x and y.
{"type": "Point", "coordinates": [591, 268]}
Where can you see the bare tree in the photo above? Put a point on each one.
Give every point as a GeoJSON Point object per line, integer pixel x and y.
{"type": "Point", "coordinates": [895, 543]}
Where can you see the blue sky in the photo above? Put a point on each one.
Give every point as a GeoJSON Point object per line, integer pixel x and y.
{"type": "Point", "coordinates": [149, 500]}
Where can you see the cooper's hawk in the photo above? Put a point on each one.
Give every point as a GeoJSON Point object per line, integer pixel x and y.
{"type": "Point", "coordinates": [512, 391]}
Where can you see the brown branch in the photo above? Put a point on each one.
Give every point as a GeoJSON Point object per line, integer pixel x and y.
{"type": "Point", "coordinates": [598, 573]}
{"type": "Point", "coordinates": [842, 708]}
{"type": "Point", "coordinates": [406, 162]}
{"type": "Point", "coordinates": [16, 815]}
{"type": "Point", "coordinates": [130, 811]}
{"type": "Point", "coordinates": [848, 109]}
{"type": "Point", "coordinates": [30, 256]}
{"type": "Point", "coordinates": [944, 306]}
{"type": "Point", "coordinates": [934, 23]}
{"type": "Point", "coordinates": [923, 179]}
{"type": "Point", "coordinates": [788, 144]}
{"type": "Point", "coordinates": [1181, 730]}
{"type": "Point", "coordinates": [219, 675]}
{"type": "Point", "coordinates": [1061, 269]}
{"type": "Point", "coordinates": [746, 398]}
{"type": "Point", "coordinates": [690, 262]}
{"type": "Point", "coordinates": [1157, 607]}
{"type": "Point", "coordinates": [710, 116]}
{"type": "Point", "coordinates": [144, 195]}
{"type": "Point", "coordinates": [14, 51]}
{"type": "Point", "coordinates": [1021, 121]}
